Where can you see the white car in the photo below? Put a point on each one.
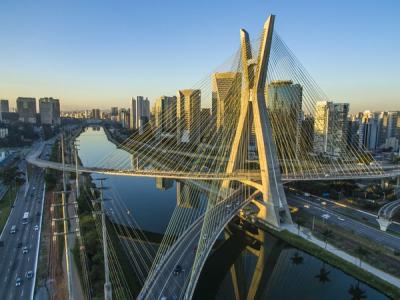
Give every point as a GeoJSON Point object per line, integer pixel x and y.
{"type": "Point", "coordinates": [36, 227]}
{"type": "Point", "coordinates": [323, 203]}
{"type": "Point", "coordinates": [325, 216]}
{"type": "Point", "coordinates": [340, 219]}
{"type": "Point", "coordinates": [306, 205]}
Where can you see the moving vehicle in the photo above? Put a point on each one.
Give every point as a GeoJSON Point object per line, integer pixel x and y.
{"type": "Point", "coordinates": [307, 194]}
{"type": "Point", "coordinates": [25, 250]}
{"type": "Point", "coordinates": [36, 228]}
{"type": "Point", "coordinates": [29, 274]}
{"type": "Point", "coordinates": [178, 269]}
{"type": "Point", "coordinates": [18, 281]}
{"type": "Point", "coordinates": [13, 229]}
{"type": "Point", "coordinates": [25, 218]}
{"type": "Point", "coordinates": [325, 216]}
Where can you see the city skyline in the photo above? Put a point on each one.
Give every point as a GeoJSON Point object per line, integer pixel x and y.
{"type": "Point", "coordinates": [100, 64]}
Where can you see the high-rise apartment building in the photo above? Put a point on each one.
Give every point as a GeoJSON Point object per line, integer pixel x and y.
{"type": "Point", "coordinates": [140, 113]}
{"type": "Point", "coordinates": [114, 114]}
{"type": "Point", "coordinates": [368, 131]}
{"type": "Point", "coordinates": [284, 101]}
{"type": "Point", "coordinates": [205, 123]}
{"type": "Point", "coordinates": [226, 92]}
{"type": "Point", "coordinates": [49, 110]}
{"type": "Point", "coordinates": [165, 116]}
{"type": "Point", "coordinates": [124, 118]}
{"type": "Point", "coordinates": [389, 126]}
{"type": "Point", "coordinates": [26, 108]}
{"type": "Point", "coordinates": [95, 114]}
{"type": "Point", "coordinates": [4, 106]}
{"type": "Point", "coordinates": [330, 128]}
{"type": "Point", "coordinates": [188, 116]}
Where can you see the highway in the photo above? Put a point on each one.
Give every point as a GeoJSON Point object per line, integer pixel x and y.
{"type": "Point", "coordinates": [12, 259]}
{"type": "Point", "coordinates": [337, 217]}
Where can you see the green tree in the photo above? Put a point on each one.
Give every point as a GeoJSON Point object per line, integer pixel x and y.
{"type": "Point", "coordinates": [300, 222]}
{"type": "Point", "coordinates": [361, 253]}
{"type": "Point", "coordinates": [327, 234]}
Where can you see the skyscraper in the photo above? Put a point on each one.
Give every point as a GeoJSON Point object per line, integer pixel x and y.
{"type": "Point", "coordinates": [284, 101]}
{"type": "Point", "coordinates": [49, 109]}
{"type": "Point", "coordinates": [114, 113]}
{"type": "Point", "coordinates": [330, 128]}
{"type": "Point", "coordinates": [140, 112]}
{"type": "Point", "coordinates": [389, 126]}
{"type": "Point", "coordinates": [188, 116]}
{"type": "Point", "coordinates": [165, 116]}
{"type": "Point", "coordinates": [368, 131]}
{"type": "Point", "coordinates": [124, 118]}
{"type": "Point", "coordinates": [4, 107]}
{"type": "Point", "coordinates": [26, 108]}
{"type": "Point", "coordinates": [226, 92]}
{"type": "Point", "coordinates": [95, 114]}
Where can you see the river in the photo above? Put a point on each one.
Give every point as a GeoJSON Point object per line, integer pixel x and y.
{"type": "Point", "coordinates": [251, 264]}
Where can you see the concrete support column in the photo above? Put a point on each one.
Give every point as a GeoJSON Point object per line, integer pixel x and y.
{"type": "Point", "coordinates": [383, 183]}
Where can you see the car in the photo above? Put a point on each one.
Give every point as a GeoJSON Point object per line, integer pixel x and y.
{"type": "Point", "coordinates": [25, 250]}
{"type": "Point", "coordinates": [325, 216]}
{"type": "Point", "coordinates": [38, 213]}
{"type": "Point", "coordinates": [36, 227]}
{"type": "Point", "coordinates": [323, 202]}
{"type": "Point", "coordinates": [178, 270]}
{"type": "Point", "coordinates": [340, 219]}
{"type": "Point", "coordinates": [19, 245]}
{"type": "Point", "coordinates": [29, 274]}
{"type": "Point", "coordinates": [306, 205]}
{"type": "Point", "coordinates": [18, 281]}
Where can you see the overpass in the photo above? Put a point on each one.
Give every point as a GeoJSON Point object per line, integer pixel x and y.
{"type": "Point", "coordinates": [386, 213]}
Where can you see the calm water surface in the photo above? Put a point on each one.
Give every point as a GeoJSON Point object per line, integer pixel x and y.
{"type": "Point", "coordinates": [259, 267]}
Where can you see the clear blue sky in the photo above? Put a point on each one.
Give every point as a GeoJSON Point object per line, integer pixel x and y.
{"type": "Point", "coordinates": [95, 53]}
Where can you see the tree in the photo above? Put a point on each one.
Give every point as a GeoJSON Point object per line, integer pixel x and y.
{"type": "Point", "coordinates": [300, 222]}
{"type": "Point", "coordinates": [327, 234]}
{"type": "Point", "coordinates": [9, 175]}
{"type": "Point", "coordinates": [361, 253]}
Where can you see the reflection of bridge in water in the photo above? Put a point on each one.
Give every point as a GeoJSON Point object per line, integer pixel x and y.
{"type": "Point", "coordinates": [252, 146]}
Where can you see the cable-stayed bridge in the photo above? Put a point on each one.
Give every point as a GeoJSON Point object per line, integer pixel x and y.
{"type": "Point", "coordinates": [270, 124]}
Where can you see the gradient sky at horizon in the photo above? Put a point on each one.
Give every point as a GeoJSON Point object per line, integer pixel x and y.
{"type": "Point", "coordinates": [97, 53]}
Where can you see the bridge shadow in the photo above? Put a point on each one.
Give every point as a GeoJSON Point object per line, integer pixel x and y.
{"type": "Point", "coordinates": [227, 257]}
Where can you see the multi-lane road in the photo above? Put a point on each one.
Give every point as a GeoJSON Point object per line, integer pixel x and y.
{"type": "Point", "coordinates": [340, 216]}
{"type": "Point", "coordinates": [16, 260]}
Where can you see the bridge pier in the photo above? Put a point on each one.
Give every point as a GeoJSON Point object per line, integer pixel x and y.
{"type": "Point", "coordinates": [383, 183]}
{"type": "Point", "coordinates": [383, 223]}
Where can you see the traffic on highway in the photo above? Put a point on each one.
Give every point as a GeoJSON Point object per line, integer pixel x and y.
{"type": "Point", "coordinates": [20, 239]}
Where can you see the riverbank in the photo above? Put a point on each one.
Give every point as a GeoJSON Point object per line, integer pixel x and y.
{"type": "Point", "coordinates": [381, 281]}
